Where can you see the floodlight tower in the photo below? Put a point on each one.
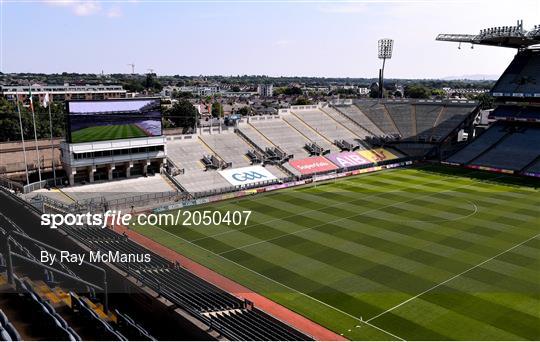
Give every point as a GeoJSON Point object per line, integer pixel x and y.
{"type": "Point", "coordinates": [385, 52]}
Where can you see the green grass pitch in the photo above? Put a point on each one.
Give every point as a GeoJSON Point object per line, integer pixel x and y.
{"type": "Point", "coordinates": [425, 253]}
{"type": "Point", "coordinates": [111, 132]}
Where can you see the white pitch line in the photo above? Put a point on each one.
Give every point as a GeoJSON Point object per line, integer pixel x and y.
{"type": "Point", "coordinates": [453, 277]}
{"type": "Point", "coordinates": [344, 218]}
{"type": "Point", "coordinates": [279, 283]}
{"type": "Point", "coordinates": [308, 211]}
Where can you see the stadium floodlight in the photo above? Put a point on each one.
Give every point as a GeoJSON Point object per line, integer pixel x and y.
{"type": "Point", "coordinates": [386, 46]}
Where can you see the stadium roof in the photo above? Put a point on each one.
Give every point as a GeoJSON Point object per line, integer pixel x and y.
{"type": "Point", "coordinates": [503, 36]}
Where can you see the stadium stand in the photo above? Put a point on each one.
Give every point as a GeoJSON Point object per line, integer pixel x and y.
{"type": "Point", "coordinates": [7, 330]}
{"type": "Point", "coordinates": [255, 137]}
{"type": "Point", "coordinates": [401, 114]}
{"type": "Point", "coordinates": [449, 119]}
{"type": "Point", "coordinates": [521, 76]}
{"type": "Point", "coordinates": [48, 301]}
{"type": "Point", "coordinates": [426, 116]}
{"type": "Point", "coordinates": [534, 168]}
{"type": "Point", "coordinates": [347, 123]}
{"type": "Point", "coordinates": [484, 141]}
{"type": "Point", "coordinates": [514, 152]}
{"type": "Point", "coordinates": [282, 135]}
{"type": "Point", "coordinates": [356, 115]}
{"type": "Point", "coordinates": [325, 125]}
{"type": "Point", "coordinates": [519, 113]}
{"type": "Point", "coordinates": [198, 297]}
{"type": "Point", "coordinates": [377, 113]}
{"type": "Point", "coordinates": [229, 147]}
{"type": "Point", "coordinates": [187, 154]}
{"type": "Point", "coordinates": [309, 133]}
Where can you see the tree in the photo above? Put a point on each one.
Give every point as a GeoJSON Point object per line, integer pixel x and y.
{"type": "Point", "coordinates": [217, 110]}
{"type": "Point", "coordinates": [244, 111]}
{"type": "Point", "coordinates": [133, 86]}
{"type": "Point", "coordinates": [485, 101]}
{"type": "Point", "coordinates": [152, 84]}
{"type": "Point", "coordinates": [417, 91]}
{"type": "Point", "coordinates": [182, 114]}
{"type": "Point", "coordinates": [301, 101]}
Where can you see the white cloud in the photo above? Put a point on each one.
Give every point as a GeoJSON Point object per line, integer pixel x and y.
{"type": "Point", "coordinates": [86, 8]}
{"type": "Point", "coordinates": [78, 7]}
{"type": "Point", "coordinates": [114, 12]}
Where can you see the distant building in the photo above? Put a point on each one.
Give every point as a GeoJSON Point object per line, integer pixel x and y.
{"type": "Point", "coordinates": [64, 92]}
{"type": "Point", "coordinates": [265, 90]}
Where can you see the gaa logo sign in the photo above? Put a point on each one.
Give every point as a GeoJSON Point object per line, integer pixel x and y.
{"type": "Point", "coordinates": [247, 176]}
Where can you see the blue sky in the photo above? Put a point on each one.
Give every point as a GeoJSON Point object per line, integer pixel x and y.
{"type": "Point", "coordinates": [304, 38]}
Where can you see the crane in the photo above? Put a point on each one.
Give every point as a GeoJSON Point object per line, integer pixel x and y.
{"type": "Point", "coordinates": [132, 67]}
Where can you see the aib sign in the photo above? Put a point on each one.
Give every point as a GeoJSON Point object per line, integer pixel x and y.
{"type": "Point", "coordinates": [247, 175]}
{"type": "Point", "coordinates": [347, 159]}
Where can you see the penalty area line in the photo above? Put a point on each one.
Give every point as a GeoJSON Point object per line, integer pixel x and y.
{"type": "Point", "coordinates": [453, 277]}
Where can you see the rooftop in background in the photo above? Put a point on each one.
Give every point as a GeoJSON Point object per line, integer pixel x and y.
{"type": "Point", "coordinates": [503, 36]}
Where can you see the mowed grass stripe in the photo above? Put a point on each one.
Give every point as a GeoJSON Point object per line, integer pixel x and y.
{"type": "Point", "coordinates": [356, 255]}
{"type": "Point", "coordinates": [273, 214]}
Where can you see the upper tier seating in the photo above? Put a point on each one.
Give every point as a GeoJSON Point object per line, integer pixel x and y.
{"type": "Point", "coordinates": [522, 75]}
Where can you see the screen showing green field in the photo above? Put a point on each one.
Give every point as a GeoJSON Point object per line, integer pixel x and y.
{"type": "Point", "coordinates": [113, 119]}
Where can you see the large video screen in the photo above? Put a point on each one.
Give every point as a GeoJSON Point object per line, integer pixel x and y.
{"type": "Point", "coordinates": [113, 119]}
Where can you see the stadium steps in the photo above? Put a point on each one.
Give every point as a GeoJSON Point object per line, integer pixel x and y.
{"type": "Point", "coordinates": [369, 132]}
{"type": "Point", "coordinates": [503, 138]}
{"type": "Point", "coordinates": [437, 122]}
{"type": "Point", "coordinates": [58, 297]}
{"type": "Point", "coordinates": [73, 200]}
{"type": "Point", "coordinates": [532, 163]}
{"type": "Point", "coordinates": [262, 135]}
{"type": "Point", "coordinates": [251, 144]}
{"type": "Point", "coordinates": [311, 128]}
{"type": "Point", "coordinates": [296, 129]}
{"type": "Point", "coordinates": [211, 149]}
{"type": "Point", "coordinates": [370, 119]}
{"type": "Point", "coordinates": [339, 123]}
{"type": "Point", "coordinates": [414, 122]}
{"type": "Point", "coordinates": [387, 112]}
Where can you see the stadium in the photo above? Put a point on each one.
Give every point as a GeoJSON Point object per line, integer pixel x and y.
{"type": "Point", "coordinates": [368, 219]}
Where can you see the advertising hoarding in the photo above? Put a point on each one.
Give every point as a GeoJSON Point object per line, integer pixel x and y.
{"type": "Point", "coordinates": [247, 175]}
{"type": "Point", "coordinates": [312, 165]}
{"type": "Point", "coordinates": [347, 159]}
{"type": "Point", "coordinates": [377, 155]}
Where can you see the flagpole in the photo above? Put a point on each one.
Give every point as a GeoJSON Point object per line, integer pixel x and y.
{"type": "Point", "coordinates": [22, 137]}
{"type": "Point", "coordinates": [52, 144]}
{"type": "Point", "coordinates": [35, 133]}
